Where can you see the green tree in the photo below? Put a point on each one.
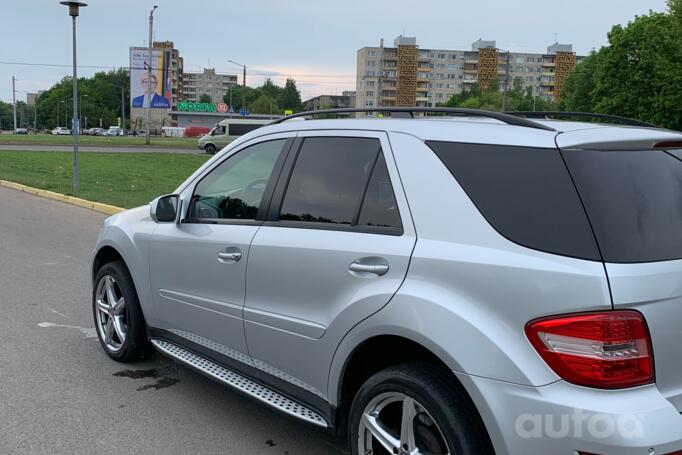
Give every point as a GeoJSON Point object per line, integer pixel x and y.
{"type": "Point", "coordinates": [519, 98]}
{"type": "Point", "coordinates": [264, 105]}
{"type": "Point", "coordinates": [205, 98]}
{"type": "Point", "coordinates": [100, 98]}
{"type": "Point", "coordinates": [291, 97]}
{"type": "Point", "coordinates": [638, 74]}
{"type": "Point", "coordinates": [579, 88]}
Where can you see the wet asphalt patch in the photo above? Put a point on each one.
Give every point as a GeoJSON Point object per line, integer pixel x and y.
{"type": "Point", "coordinates": [165, 376]}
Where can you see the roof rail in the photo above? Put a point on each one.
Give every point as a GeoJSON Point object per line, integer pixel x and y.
{"type": "Point", "coordinates": [408, 112]}
{"type": "Point", "coordinates": [584, 115]}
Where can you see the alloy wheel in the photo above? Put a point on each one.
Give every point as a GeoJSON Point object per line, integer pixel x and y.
{"type": "Point", "coordinates": [394, 423]}
{"type": "Point", "coordinates": [110, 313]}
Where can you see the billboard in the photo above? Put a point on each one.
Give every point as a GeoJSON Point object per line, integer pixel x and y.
{"type": "Point", "coordinates": [160, 97]}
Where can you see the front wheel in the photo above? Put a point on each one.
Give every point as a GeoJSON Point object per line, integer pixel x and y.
{"type": "Point", "coordinates": [118, 317]}
{"type": "Point", "coordinates": [411, 410]}
{"type": "Point", "coordinates": [210, 149]}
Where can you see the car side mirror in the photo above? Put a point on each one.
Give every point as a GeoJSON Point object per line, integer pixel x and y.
{"type": "Point", "coordinates": [164, 209]}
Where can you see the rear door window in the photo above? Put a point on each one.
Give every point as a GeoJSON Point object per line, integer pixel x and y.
{"type": "Point", "coordinates": [634, 201]}
{"type": "Point", "coordinates": [525, 193]}
{"type": "Point", "coordinates": [340, 181]}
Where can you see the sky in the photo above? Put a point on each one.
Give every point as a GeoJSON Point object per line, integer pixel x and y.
{"type": "Point", "coordinates": [312, 41]}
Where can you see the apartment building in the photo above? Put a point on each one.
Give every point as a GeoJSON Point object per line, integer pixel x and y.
{"type": "Point", "coordinates": [407, 75]}
{"type": "Point", "coordinates": [207, 83]}
{"type": "Point", "coordinates": [346, 99]}
{"type": "Point", "coordinates": [176, 69]}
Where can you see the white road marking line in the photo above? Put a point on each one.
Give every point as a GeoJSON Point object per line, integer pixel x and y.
{"type": "Point", "coordinates": [88, 332]}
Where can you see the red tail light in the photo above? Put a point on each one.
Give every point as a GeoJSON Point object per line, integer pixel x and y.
{"type": "Point", "coordinates": [609, 350]}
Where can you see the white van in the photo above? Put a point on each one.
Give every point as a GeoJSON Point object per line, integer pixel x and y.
{"type": "Point", "coordinates": [227, 131]}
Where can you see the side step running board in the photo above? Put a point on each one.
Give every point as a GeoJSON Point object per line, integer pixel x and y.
{"type": "Point", "coordinates": [239, 382]}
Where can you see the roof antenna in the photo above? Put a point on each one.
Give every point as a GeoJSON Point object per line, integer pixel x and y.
{"type": "Point", "coordinates": [556, 38]}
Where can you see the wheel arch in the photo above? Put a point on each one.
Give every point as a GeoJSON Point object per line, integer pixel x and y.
{"type": "Point", "coordinates": [374, 353]}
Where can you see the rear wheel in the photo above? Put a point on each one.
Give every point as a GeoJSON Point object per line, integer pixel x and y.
{"type": "Point", "coordinates": [411, 410]}
{"type": "Point", "coordinates": [118, 317]}
{"type": "Point", "coordinates": [210, 149]}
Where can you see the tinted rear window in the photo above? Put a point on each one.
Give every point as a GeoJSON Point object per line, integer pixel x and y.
{"type": "Point", "coordinates": [526, 194]}
{"type": "Point", "coordinates": [329, 179]}
{"type": "Point", "coordinates": [634, 201]}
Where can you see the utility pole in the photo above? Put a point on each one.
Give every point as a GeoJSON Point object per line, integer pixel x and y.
{"type": "Point", "coordinates": [14, 102]}
{"type": "Point", "coordinates": [149, 77]}
{"type": "Point", "coordinates": [243, 82]}
{"type": "Point", "coordinates": [123, 110]}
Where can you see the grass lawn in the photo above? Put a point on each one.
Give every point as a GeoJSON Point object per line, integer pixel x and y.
{"type": "Point", "coordinates": [123, 141]}
{"type": "Point", "coordinates": [121, 179]}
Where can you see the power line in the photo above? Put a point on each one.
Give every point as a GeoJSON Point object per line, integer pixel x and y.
{"type": "Point", "coordinates": [253, 72]}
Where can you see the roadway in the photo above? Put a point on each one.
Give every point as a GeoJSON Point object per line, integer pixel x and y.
{"type": "Point", "coordinates": [60, 394]}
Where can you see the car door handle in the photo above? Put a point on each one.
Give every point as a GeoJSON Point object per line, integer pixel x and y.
{"type": "Point", "coordinates": [368, 269]}
{"type": "Point", "coordinates": [229, 255]}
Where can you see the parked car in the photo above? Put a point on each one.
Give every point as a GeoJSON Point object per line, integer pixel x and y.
{"type": "Point", "coordinates": [61, 131]}
{"type": "Point", "coordinates": [431, 286]}
{"type": "Point", "coordinates": [114, 131]}
{"type": "Point", "coordinates": [21, 131]}
{"type": "Point", "coordinates": [99, 132]}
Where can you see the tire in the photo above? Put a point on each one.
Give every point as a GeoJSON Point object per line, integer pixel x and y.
{"type": "Point", "coordinates": [444, 421]}
{"type": "Point", "coordinates": [210, 149]}
{"type": "Point", "coordinates": [126, 318]}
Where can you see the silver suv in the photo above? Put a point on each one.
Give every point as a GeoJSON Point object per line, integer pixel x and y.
{"type": "Point", "coordinates": [474, 284]}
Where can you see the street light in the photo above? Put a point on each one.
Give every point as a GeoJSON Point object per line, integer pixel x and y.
{"type": "Point", "coordinates": [149, 77]}
{"type": "Point", "coordinates": [74, 8]}
{"type": "Point", "coordinates": [243, 83]}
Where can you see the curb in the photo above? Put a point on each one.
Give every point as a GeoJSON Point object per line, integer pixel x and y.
{"type": "Point", "coordinates": [96, 206]}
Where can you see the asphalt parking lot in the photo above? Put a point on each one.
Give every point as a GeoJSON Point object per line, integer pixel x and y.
{"type": "Point", "coordinates": [60, 394]}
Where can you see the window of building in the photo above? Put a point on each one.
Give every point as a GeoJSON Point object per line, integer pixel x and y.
{"type": "Point", "coordinates": [371, 53]}
{"type": "Point", "coordinates": [370, 73]}
{"type": "Point", "coordinates": [452, 67]}
{"type": "Point", "coordinates": [369, 83]}
{"type": "Point", "coordinates": [369, 103]}
{"type": "Point", "coordinates": [441, 56]}
{"type": "Point", "coordinates": [371, 63]}
{"type": "Point", "coordinates": [369, 93]}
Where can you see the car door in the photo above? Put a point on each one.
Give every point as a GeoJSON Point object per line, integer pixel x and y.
{"type": "Point", "coordinates": [198, 267]}
{"type": "Point", "coordinates": [334, 249]}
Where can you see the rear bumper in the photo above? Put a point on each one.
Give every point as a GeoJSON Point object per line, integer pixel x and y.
{"type": "Point", "coordinates": [561, 418]}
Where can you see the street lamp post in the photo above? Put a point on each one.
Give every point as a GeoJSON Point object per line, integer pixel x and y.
{"type": "Point", "coordinates": [149, 77]}
{"type": "Point", "coordinates": [74, 8]}
{"type": "Point", "coordinates": [243, 82]}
